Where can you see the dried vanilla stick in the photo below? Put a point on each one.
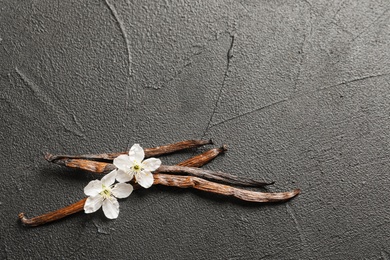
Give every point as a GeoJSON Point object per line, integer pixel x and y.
{"type": "Point", "coordinates": [203, 158]}
{"type": "Point", "coordinates": [149, 152]}
{"type": "Point", "coordinates": [54, 215]}
{"type": "Point", "coordinates": [92, 165]}
{"type": "Point", "coordinates": [201, 184]}
{"type": "Point", "coordinates": [213, 175]}
{"type": "Point", "coordinates": [106, 167]}
{"type": "Point", "coordinates": [87, 165]}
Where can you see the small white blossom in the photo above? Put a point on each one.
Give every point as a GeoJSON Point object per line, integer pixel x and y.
{"type": "Point", "coordinates": [133, 165]}
{"type": "Point", "coordinates": [104, 193]}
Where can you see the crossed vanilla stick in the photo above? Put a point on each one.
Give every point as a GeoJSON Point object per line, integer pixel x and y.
{"type": "Point", "coordinates": [185, 174]}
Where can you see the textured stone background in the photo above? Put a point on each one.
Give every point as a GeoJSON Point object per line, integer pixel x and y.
{"type": "Point", "coordinates": [299, 90]}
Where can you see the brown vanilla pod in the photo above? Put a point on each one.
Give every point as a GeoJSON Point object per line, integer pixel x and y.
{"type": "Point", "coordinates": [226, 178]}
{"type": "Point", "coordinates": [149, 152]}
{"type": "Point", "coordinates": [204, 185]}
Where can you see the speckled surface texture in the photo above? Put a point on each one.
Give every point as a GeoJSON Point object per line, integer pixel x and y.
{"type": "Point", "coordinates": [299, 90]}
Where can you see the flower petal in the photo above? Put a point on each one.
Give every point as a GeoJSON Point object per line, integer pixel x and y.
{"type": "Point", "coordinates": [109, 178]}
{"type": "Point", "coordinates": [111, 208]}
{"type": "Point", "coordinates": [136, 153]}
{"type": "Point", "coordinates": [123, 176]}
{"type": "Point", "coordinates": [145, 179]}
{"type": "Point", "coordinates": [93, 188]}
{"type": "Point", "coordinates": [122, 162]}
{"type": "Point", "coordinates": [93, 203]}
{"type": "Point", "coordinates": [151, 164]}
{"type": "Point", "coordinates": [122, 190]}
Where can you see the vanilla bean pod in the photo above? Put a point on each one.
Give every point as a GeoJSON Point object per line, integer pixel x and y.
{"type": "Point", "coordinates": [198, 160]}
{"type": "Point", "coordinates": [203, 158]}
{"type": "Point", "coordinates": [105, 167]}
{"type": "Point", "coordinates": [213, 176]}
{"type": "Point", "coordinates": [87, 165]}
{"type": "Point", "coordinates": [54, 215]}
{"type": "Point", "coordinates": [201, 184]}
{"type": "Point", "coordinates": [149, 152]}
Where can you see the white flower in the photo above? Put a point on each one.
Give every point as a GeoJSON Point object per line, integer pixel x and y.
{"type": "Point", "coordinates": [104, 193]}
{"type": "Point", "coordinates": [133, 165]}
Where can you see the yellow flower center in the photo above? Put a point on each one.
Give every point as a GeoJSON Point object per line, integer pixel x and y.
{"type": "Point", "coordinates": [106, 192]}
{"type": "Point", "coordinates": [137, 167]}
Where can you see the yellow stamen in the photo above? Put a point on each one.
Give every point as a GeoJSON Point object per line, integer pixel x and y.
{"type": "Point", "coordinates": [106, 192]}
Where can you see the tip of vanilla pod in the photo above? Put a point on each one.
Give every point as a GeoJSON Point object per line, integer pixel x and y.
{"type": "Point", "coordinates": [22, 218]}
{"type": "Point", "coordinates": [224, 148]}
{"type": "Point", "coordinates": [55, 159]}
{"type": "Point", "coordinates": [296, 192]}
{"type": "Point", "coordinates": [49, 157]}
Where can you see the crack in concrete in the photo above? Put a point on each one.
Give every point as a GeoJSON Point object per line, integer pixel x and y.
{"type": "Point", "coordinates": [229, 56]}
{"type": "Point", "coordinates": [298, 227]}
{"type": "Point", "coordinates": [250, 112]}
{"type": "Point", "coordinates": [243, 6]}
{"type": "Point", "coordinates": [302, 48]}
{"type": "Point", "coordinates": [123, 33]}
{"type": "Point", "coordinates": [385, 255]}
{"type": "Point", "coordinates": [354, 38]}
{"type": "Point", "coordinates": [368, 26]}
{"type": "Point", "coordinates": [295, 97]}
{"type": "Point", "coordinates": [302, 52]}
{"type": "Point", "coordinates": [60, 114]}
{"type": "Point", "coordinates": [341, 29]}
{"type": "Point", "coordinates": [338, 10]}
{"type": "Point", "coordinates": [178, 70]}
{"type": "Point", "coordinates": [353, 81]}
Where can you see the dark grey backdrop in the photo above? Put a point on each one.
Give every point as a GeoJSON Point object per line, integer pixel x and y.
{"type": "Point", "coordinates": [299, 90]}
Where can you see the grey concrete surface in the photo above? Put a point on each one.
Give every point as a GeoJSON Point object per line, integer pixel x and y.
{"type": "Point", "coordinates": [299, 90]}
